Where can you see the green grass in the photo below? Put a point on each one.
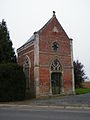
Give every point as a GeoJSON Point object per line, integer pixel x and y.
{"type": "Point", "coordinates": [82, 90]}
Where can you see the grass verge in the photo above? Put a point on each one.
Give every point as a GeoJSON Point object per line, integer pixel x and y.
{"type": "Point", "coordinates": [82, 90]}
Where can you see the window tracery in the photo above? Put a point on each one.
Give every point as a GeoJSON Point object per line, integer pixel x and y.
{"type": "Point", "coordinates": [56, 66]}
{"type": "Point", "coordinates": [55, 46]}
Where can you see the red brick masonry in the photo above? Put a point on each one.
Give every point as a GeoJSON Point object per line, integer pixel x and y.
{"type": "Point", "coordinates": [50, 33]}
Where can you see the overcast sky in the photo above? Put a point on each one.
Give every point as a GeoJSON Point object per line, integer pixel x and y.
{"type": "Point", "coordinates": [24, 17]}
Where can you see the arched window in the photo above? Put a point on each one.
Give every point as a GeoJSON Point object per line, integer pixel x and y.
{"type": "Point", "coordinates": [27, 71]}
{"type": "Point", "coordinates": [56, 66]}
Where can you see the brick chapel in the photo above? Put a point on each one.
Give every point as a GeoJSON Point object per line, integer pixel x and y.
{"type": "Point", "coordinates": [47, 60]}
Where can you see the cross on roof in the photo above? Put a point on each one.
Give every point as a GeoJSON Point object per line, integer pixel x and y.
{"type": "Point", "coordinates": [53, 13]}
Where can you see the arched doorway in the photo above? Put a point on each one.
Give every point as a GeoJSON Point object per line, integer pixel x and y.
{"type": "Point", "coordinates": [56, 77]}
{"type": "Point", "coordinates": [26, 68]}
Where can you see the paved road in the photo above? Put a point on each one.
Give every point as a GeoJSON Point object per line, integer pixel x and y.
{"type": "Point", "coordinates": [27, 113]}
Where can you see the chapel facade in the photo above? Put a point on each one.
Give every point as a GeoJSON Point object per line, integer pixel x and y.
{"type": "Point", "coordinates": [47, 60]}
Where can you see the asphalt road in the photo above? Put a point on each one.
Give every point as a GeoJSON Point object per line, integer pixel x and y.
{"type": "Point", "coordinates": [26, 113]}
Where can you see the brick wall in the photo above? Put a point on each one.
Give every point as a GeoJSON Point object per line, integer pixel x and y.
{"type": "Point", "coordinates": [47, 55]}
{"type": "Point", "coordinates": [47, 36]}
{"type": "Point", "coordinates": [86, 84]}
{"type": "Point", "coordinates": [29, 51]}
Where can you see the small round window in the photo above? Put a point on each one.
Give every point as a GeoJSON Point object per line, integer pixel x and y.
{"type": "Point", "coordinates": [55, 46]}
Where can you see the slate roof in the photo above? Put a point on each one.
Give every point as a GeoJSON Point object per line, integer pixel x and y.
{"type": "Point", "coordinates": [30, 39]}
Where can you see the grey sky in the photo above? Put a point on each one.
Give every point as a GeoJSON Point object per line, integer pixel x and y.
{"type": "Point", "coordinates": [24, 17]}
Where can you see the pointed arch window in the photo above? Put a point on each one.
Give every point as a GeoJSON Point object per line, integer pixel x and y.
{"type": "Point", "coordinates": [27, 71]}
{"type": "Point", "coordinates": [56, 66]}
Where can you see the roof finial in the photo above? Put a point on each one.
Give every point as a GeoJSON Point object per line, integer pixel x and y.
{"type": "Point", "coordinates": [54, 14]}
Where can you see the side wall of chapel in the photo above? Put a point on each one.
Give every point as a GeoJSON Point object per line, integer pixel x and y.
{"type": "Point", "coordinates": [28, 51]}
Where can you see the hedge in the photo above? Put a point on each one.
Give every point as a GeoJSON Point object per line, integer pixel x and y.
{"type": "Point", "coordinates": [12, 82]}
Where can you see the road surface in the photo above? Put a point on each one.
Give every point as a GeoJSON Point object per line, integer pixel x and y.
{"type": "Point", "coordinates": [35, 113]}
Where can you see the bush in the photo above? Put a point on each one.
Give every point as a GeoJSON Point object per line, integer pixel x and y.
{"type": "Point", "coordinates": [12, 82]}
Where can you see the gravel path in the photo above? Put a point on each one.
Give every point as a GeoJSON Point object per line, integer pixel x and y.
{"type": "Point", "coordinates": [83, 99]}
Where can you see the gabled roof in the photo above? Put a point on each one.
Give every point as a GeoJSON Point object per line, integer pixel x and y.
{"type": "Point", "coordinates": [32, 37]}
{"type": "Point", "coordinates": [47, 22]}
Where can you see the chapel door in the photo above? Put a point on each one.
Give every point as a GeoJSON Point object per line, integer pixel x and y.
{"type": "Point", "coordinates": [55, 82]}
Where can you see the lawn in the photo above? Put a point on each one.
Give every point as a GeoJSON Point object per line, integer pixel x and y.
{"type": "Point", "coordinates": [82, 90]}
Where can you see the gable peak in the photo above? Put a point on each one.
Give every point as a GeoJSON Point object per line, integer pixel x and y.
{"type": "Point", "coordinates": [53, 17]}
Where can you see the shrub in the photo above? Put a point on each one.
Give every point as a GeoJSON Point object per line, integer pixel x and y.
{"type": "Point", "coordinates": [12, 82]}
